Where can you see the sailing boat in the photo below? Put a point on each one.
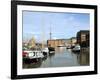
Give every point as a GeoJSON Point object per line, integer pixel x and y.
{"type": "Point", "coordinates": [51, 49]}
{"type": "Point", "coordinates": [44, 49]}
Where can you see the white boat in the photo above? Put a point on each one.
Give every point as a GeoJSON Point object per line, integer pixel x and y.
{"type": "Point", "coordinates": [35, 54]}
{"type": "Point", "coordinates": [76, 48]}
{"type": "Point", "coordinates": [45, 51]}
{"type": "Point", "coordinates": [68, 47]}
{"type": "Point", "coordinates": [60, 45]}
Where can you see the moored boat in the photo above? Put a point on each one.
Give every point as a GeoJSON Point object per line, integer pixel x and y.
{"type": "Point", "coordinates": [45, 51]}
{"type": "Point", "coordinates": [32, 56]}
{"type": "Point", "coordinates": [76, 48]}
{"type": "Point", "coordinates": [51, 49]}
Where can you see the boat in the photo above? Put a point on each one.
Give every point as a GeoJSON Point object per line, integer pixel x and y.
{"type": "Point", "coordinates": [76, 48]}
{"type": "Point", "coordinates": [51, 49]}
{"type": "Point", "coordinates": [60, 46]}
{"type": "Point", "coordinates": [32, 56]}
{"type": "Point", "coordinates": [45, 51]}
{"type": "Point", "coordinates": [68, 47]}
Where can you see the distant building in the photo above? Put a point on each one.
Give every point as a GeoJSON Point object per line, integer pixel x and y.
{"type": "Point", "coordinates": [83, 38]}
{"type": "Point", "coordinates": [68, 42]}
{"type": "Point", "coordinates": [54, 42]}
{"type": "Point", "coordinates": [73, 41]}
{"type": "Point", "coordinates": [61, 42]}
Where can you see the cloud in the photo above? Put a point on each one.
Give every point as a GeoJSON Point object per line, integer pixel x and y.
{"type": "Point", "coordinates": [32, 33]}
{"type": "Point", "coordinates": [54, 38]}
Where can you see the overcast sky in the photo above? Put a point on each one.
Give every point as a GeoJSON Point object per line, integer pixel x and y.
{"type": "Point", "coordinates": [63, 25]}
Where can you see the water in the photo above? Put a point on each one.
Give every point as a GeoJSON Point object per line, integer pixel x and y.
{"type": "Point", "coordinates": [61, 58]}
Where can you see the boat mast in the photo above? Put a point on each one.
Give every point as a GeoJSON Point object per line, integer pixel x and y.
{"type": "Point", "coordinates": [50, 32]}
{"type": "Point", "coordinates": [43, 33]}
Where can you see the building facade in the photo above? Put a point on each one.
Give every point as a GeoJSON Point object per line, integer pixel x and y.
{"type": "Point", "coordinates": [73, 41]}
{"type": "Point", "coordinates": [83, 38]}
{"type": "Point", "coordinates": [61, 42]}
{"type": "Point", "coordinates": [55, 43]}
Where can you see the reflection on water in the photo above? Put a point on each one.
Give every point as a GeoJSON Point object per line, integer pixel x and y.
{"type": "Point", "coordinates": [61, 58]}
{"type": "Point", "coordinates": [84, 58]}
{"type": "Point", "coordinates": [33, 65]}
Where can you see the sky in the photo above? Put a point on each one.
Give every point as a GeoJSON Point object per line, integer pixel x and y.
{"type": "Point", "coordinates": [63, 25]}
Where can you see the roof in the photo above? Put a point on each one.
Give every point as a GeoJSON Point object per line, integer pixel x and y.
{"type": "Point", "coordinates": [83, 31]}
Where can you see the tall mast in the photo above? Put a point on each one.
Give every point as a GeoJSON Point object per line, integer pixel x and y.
{"type": "Point", "coordinates": [43, 33]}
{"type": "Point", "coordinates": [50, 32]}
